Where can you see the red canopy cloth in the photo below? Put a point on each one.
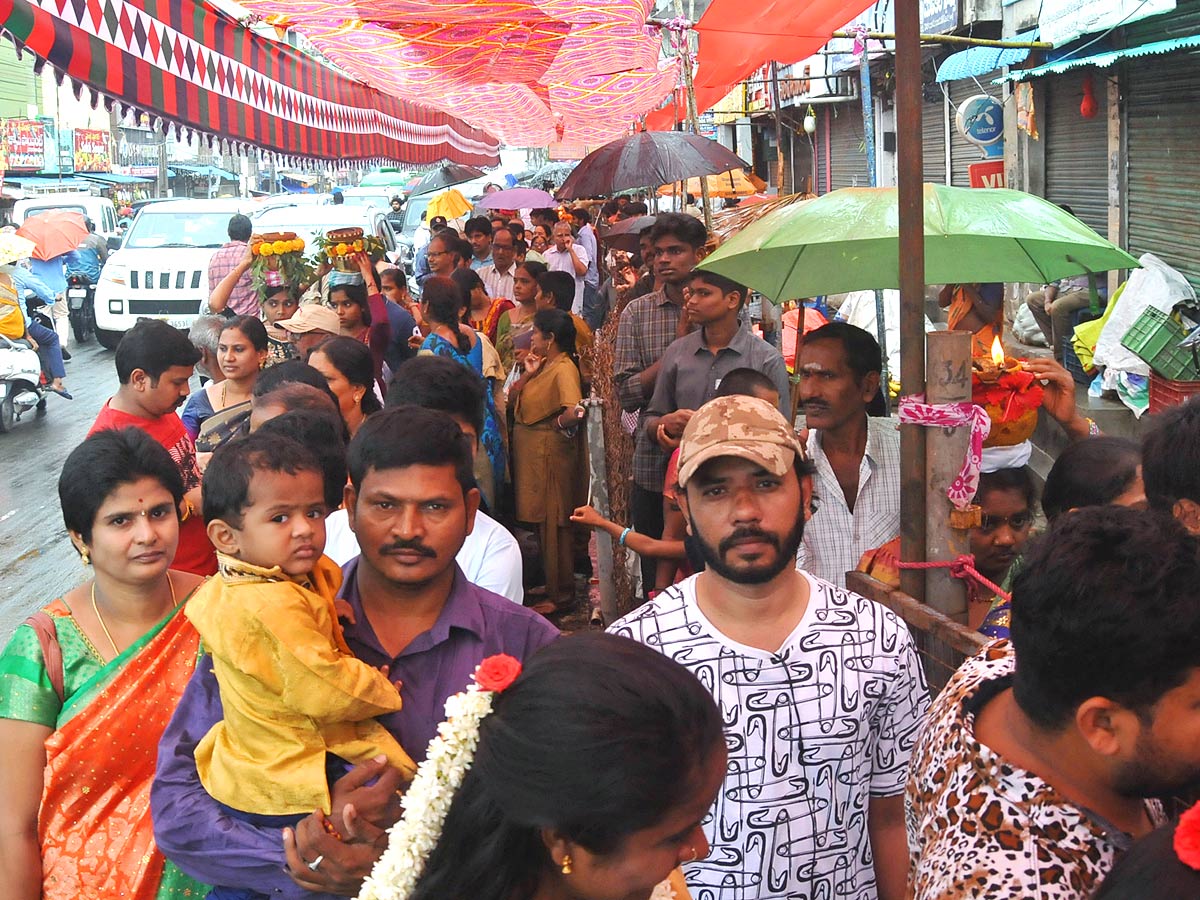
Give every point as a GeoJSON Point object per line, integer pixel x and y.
{"type": "Point", "coordinates": [184, 62]}
{"type": "Point", "coordinates": [533, 72]}
{"type": "Point", "coordinates": [737, 38]}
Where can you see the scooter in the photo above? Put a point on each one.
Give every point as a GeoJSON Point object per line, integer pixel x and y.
{"type": "Point", "coordinates": [23, 384]}
{"type": "Point", "coordinates": [81, 303]}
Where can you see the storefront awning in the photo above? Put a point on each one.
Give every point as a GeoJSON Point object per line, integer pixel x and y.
{"type": "Point", "coordinates": [976, 61]}
{"type": "Point", "coordinates": [49, 183]}
{"type": "Point", "coordinates": [1102, 60]}
{"type": "Point", "coordinates": [116, 178]}
{"type": "Point", "coordinates": [205, 172]}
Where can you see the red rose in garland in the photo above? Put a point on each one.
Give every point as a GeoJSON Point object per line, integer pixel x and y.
{"type": "Point", "coordinates": [497, 672]}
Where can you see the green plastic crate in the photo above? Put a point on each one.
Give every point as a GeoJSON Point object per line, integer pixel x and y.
{"type": "Point", "coordinates": [1155, 338]}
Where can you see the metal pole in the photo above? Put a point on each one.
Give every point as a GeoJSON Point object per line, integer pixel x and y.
{"type": "Point", "coordinates": [947, 380]}
{"type": "Point", "coordinates": [693, 117]}
{"type": "Point", "coordinates": [868, 111]}
{"type": "Point", "coordinates": [910, 200]}
{"type": "Point", "coordinates": [950, 39]}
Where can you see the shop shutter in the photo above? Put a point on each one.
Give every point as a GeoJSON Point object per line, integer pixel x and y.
{"type": "Point", "coordinates": [933, 139]}
{"type": "Point", "coordinates": [847, 153]}
{"type": "Point", "coordinates": [962, 152]}
{"type": "Point", "coordinates": [821, 184]}
{"type": "Point", "coordinates": [800, 170]}
{"type": "Point", "coordinates": [1077, 148]}
{"type": "Point", "coordinates": [1163, 110]}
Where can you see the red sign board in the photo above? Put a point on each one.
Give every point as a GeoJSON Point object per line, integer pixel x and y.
{"type": "Point", "coordinates": [26, 144]}
{"type": "Point", "coordinates": [92, 150]}
{"type": "Point", "coordinates": [988, 174]}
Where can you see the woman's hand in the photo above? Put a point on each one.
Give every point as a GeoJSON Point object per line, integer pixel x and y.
{"type": "Point", "coordinates": [367, 270]}
{"type": "Point", "coordinates": [531, 363]}
{"type": "Point", "coordinates": [1058, 396]}
{"type": "Point", "coordinates": [247, 259]}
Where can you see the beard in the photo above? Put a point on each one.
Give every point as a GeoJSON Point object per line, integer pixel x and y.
{"type": "Point", "coordinates": [752, 573]}
{"type": "Point", "coordinates": [1154, 773]}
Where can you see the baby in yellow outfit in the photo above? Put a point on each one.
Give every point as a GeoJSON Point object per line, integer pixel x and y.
{"type": "Point", "coordinates": [291, 690]}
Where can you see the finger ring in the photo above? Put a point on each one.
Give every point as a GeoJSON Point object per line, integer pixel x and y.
{"type": "Point", "coordinates": [316, 862]}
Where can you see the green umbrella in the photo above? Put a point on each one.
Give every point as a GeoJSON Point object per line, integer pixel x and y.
{"type": "Point", "coordinates": [847, 240]}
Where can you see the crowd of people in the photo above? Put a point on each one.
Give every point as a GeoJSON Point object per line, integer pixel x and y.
{"type": "Point", "coordinates": [45, 281]}
{"type": "Point", "coordinates": [373, 513]}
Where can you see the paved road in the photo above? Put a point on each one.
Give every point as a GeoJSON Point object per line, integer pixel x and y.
{"type": "Point", "coordinates": [37, 561]}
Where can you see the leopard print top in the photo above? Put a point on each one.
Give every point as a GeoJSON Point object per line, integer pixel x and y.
{"type": "Point", "coordinates": [979, 827]}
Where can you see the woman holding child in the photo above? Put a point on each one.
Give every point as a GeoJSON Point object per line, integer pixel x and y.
{"type": "Point", "coordinates": [88, 684]}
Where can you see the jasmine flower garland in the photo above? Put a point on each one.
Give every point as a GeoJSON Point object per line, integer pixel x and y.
{"type": "Point", "coordinates": [425, 804]}
{"type": "Point", "coordinates": [438, 778]}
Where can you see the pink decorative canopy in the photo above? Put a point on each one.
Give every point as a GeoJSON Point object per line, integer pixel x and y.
{"type": "Point", "coordinates": [531, 72]}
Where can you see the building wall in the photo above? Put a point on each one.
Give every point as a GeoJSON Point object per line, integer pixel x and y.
{"type": "Point", "coordinates": [18, 83]}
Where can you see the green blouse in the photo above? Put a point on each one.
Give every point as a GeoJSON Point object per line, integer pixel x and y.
{"type": "Point", "coordinates": [26, 693]}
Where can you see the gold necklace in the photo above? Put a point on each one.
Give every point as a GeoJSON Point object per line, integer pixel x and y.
{"type": "Point", "coordinates": [100, 618]}
{"type": "Point", "coordinates": [224, 392]}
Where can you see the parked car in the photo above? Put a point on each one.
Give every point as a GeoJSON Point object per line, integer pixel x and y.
{"type": "Point", "coordinates": [99, 209]}
{"type": "Point", "coordinates": [414, 208]}
{"type": "Point", "coordinates": [309, 222]}
{"type": "Point", "coordinates": [368, 196]}
{"type": "Point", "coordinates": [161, 270]}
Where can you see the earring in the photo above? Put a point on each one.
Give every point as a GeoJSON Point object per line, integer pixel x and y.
{"type": "Point", "coordinates": [566, 864]}
{"type": "Point", "coordinates": [85, 557]}
{"type": "Point", "coordinates": [692, 858]}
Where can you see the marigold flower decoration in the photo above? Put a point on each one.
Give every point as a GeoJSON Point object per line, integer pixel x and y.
{"type": "Point", "coordinates": [425, 804]}
{"type": "Point", "coordinates": [1187, 838]}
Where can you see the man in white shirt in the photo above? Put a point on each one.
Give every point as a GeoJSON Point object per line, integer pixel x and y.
{"type": "Point", "coordinates": [567, 256]}
{"type": "Point", "coordinates": [498, 274]}
{"type": "Point", "coordinates": [820, 690]}
{"type": "Point", "coordinates": [490, 557]}
{"type": "Point", "coordinates": [856, 457]}
{"type": "Point", "coordinates": [585, 235]}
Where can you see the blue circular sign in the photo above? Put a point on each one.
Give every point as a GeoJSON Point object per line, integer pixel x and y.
{"type": "Point", "coordinates": [981, 120]}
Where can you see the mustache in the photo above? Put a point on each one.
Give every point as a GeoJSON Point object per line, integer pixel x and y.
{"type": "Point", "coordinates": [413, 546]}
{"type": "Point", "coordinates": [743, 534]}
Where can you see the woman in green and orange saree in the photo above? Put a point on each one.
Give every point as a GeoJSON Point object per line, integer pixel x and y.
{"type": "Point", "coordinates": [88, 684]}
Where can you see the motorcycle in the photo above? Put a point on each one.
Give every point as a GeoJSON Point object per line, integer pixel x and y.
{"type": "Point", "coordinates": [23, 384]}
{"type": "Point", "coordinates": [81, 304]}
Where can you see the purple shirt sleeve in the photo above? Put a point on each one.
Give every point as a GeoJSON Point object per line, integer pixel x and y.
{"type": "Point", "coordinates": [380, 332]}
{"type": "Point", "coordinates": [191, 828]}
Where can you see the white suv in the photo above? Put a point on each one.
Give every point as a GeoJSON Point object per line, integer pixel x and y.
{"type": "Point", "coordinates": [161, 270]}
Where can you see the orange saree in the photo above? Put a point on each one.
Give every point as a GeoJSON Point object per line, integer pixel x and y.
{"type": "Point", "coordinates": [95, 829]}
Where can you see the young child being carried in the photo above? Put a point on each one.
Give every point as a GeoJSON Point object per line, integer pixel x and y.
{"type": "Point", "coordinates": [291, 690]}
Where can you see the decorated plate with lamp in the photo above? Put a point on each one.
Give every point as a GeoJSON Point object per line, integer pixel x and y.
{"type": "Point", "coordinates": [339, 245]}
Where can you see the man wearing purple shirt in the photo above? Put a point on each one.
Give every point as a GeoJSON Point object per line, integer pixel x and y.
{"type": "Point", "coordinates": [407, 605]}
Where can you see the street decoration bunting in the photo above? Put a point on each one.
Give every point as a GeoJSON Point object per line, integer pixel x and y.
{"type": "Point", "coordinates": [532, 72]}
{"type": "Point", "coordinates": [187, 64]}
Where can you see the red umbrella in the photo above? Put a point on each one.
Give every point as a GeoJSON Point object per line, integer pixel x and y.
{"type": "Point", "coordinates": [54, 232]}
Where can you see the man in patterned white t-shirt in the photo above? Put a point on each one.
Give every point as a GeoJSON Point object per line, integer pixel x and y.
{"type": "Point", "coordinates": [821, 690]}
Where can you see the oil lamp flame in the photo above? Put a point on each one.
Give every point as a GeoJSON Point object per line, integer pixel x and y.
{"type": "Point", "coordinates": [998, 352]}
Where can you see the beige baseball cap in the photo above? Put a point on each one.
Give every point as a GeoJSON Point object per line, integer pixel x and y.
{"type": "Point", "coordinates": [312, 317]}
{"type": "Point", "coordinates": [740, 426]}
